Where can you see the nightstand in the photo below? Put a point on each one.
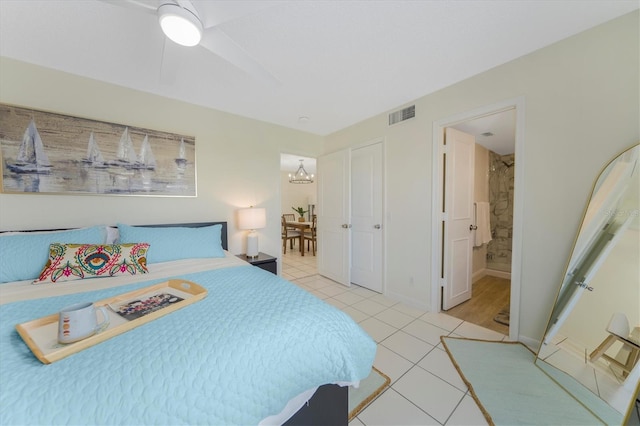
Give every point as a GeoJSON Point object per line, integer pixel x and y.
{"type": "Point", "coordinates": [262, 261]}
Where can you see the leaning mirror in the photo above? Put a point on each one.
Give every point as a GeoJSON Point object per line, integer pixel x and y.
{"type": "Point", "coordinates": [591, 346]}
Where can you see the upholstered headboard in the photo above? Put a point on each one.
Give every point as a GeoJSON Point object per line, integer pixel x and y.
{"type": "Point", "coordinates": [223, 233]}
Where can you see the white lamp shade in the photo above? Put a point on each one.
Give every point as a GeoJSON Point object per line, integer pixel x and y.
{"type": "Point", "coordinates": [180, 25]}
{"type": "Point", "coordinates": [252, 218]}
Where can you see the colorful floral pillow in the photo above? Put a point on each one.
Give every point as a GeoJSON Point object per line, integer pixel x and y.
{"type": "Point", "coordinates": [69, 262]}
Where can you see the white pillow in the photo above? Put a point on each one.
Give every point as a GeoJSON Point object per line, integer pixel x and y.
{"type": "Point", "coordinates": [112, 235]}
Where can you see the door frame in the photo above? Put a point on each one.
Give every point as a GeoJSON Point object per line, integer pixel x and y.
{"type": "Point", "coordinates": [518, 104]}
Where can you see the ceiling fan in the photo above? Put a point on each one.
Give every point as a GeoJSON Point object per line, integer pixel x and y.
{"type": "Point", "coordinates": [185, 25]}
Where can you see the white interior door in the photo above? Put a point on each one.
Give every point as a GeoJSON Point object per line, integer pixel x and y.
{"type": "Point", "coordinates": [458, 204]}
{"type": "Point", "coordinates": [366, 217]}
{"type": "Point", "coordinates": [334, 243]}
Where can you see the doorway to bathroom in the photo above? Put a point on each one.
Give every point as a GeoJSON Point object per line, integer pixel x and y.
{"type": "Point", "coordinates": [478, 278]}
{"type": "Point", "coordinates": [493, 192]}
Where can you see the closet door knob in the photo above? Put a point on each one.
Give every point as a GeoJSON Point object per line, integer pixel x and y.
{"type": "Point", "coordinates": [377, 226]}
{"type": "Point", "coordinates": [472, 227]}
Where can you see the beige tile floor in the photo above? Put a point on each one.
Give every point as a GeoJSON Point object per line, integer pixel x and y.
{"type": "Point", "coordinates": [295, 266]}
{"type": "Point", "coordinates": [425, 387]}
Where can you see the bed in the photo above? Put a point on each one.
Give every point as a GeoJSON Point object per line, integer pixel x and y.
{"type": "Point", "coordinates": [256, 350]}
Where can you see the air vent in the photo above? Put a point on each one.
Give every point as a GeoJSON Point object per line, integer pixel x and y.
{"type": "Point", "coordinates": [402, 115]}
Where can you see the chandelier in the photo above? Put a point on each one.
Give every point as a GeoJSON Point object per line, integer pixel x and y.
{"type": "Point", "coordinates": [301, 176]}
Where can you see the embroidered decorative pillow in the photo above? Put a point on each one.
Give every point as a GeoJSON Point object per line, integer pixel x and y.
{"type": "Point", "coordinates": [69, 262]}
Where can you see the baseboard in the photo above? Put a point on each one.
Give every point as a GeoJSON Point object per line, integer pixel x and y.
{"type": "Point", "coordinates": [408, 301]}
{"type": "Point", "coordinates": [499, 274]}
{"type": "Point", "coordinates": [491, 272]}
{"type": "Point", "coordinates": [478, 275]}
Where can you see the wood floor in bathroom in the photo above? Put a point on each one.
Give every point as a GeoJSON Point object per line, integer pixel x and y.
{"type": "Point", "coordinates": [489, 296]}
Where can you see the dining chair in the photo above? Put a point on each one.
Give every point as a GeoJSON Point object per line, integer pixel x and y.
{"type": "Point", "coordinates": [290, 217]}
{"type": "Point", "coordinates": [288, 235]}
{"type": "Point", "coordinates": [309, 235]}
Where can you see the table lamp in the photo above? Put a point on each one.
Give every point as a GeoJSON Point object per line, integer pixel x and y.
{"type": "Point", "coordinates": [252, 219]}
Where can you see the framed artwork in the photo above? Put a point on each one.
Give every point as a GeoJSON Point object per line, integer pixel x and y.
{"type": "Point", "coordinates": [48, 153]}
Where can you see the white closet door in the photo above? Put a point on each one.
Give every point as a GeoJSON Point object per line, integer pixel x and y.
{"type": "Point", "coordinates": [366, 217]}
{"type": "Point", "coordinates": [333, 229]}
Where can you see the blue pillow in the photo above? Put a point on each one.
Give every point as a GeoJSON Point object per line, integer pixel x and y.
{"type": "Point", "coordinates": [24, 254]}
{"type": "Point", "coordinates": [174, 243]}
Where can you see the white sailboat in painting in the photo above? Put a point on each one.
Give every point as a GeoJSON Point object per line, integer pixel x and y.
{"type": "Point", "coordinates": [126, 154]}
{"type": "Point", "coordinates": [94, 156]}
{"type": "Point", "coordinates": [31, 157]}
{"type": "Point", "coordinates": [181, 160]}
{"type": "Point", "coordinates": [146, 159]}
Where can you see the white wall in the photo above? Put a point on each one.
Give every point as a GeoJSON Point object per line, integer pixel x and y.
{"type": "Point", "coordinates": [581, 109]}
{"type": "Point", "coordinates": [237, 159]}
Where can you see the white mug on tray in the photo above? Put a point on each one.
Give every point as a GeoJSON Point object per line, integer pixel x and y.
{"type": "Point", "coordinates": [79, 321]}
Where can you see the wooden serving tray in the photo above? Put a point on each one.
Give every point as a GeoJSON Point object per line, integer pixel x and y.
{"type": "Point", "coordinates": [41, 335]}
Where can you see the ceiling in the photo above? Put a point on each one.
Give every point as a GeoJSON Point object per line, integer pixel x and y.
{"type": "Point", "coordinates": [334, 63]}
{"type": "Point", "coordinates": [496, 132]}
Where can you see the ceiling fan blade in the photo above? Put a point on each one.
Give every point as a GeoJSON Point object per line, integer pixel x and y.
{"type": "Point", "coordinates": [213, 13]}
{"type": "Point", "coordinates": [186, 4]}
{"type": "Point", "coordinates": [219, 43]}
{"type": "Point", "coordinates": [148, 6]}
{"type": "Point", "coordinates": [213, 39]}
{"type": "Point", "coordinates": [172, 57]}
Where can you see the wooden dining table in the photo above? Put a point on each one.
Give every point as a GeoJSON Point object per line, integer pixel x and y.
{"type": "Point", "coordinates": [301, 226]}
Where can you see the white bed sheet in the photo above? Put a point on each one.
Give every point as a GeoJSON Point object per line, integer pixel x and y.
{"type": "Point", "coordinates": [26, 290]}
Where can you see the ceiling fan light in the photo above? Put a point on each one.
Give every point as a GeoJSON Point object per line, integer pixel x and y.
{"type": "Point", "coordinates": [180, 25]}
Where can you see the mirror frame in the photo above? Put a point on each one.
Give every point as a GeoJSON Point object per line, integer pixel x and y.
{"type": "Point", "coordinates": [564, 282]}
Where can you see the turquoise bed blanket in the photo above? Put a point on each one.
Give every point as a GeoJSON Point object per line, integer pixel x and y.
{"type": "Point", "coordinates": [236, 357]}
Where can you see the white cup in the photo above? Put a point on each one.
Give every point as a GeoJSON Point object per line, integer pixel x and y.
{"type": "Point", "coordinates": [79, 321]}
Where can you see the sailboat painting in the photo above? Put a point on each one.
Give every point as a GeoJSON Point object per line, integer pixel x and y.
{"type": "Point", "coordinates": [126, 156]}
{"type": "Point", "coordinates": [49, 153]}
{"type": "Point", "coordinates": [31, 157]}
{"type": "Point", "coordinates": [181, 159]}
{"type": "Point", "coordinates": [146, 160]}
{"type": "Point", "coordinates": [94, 156]}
